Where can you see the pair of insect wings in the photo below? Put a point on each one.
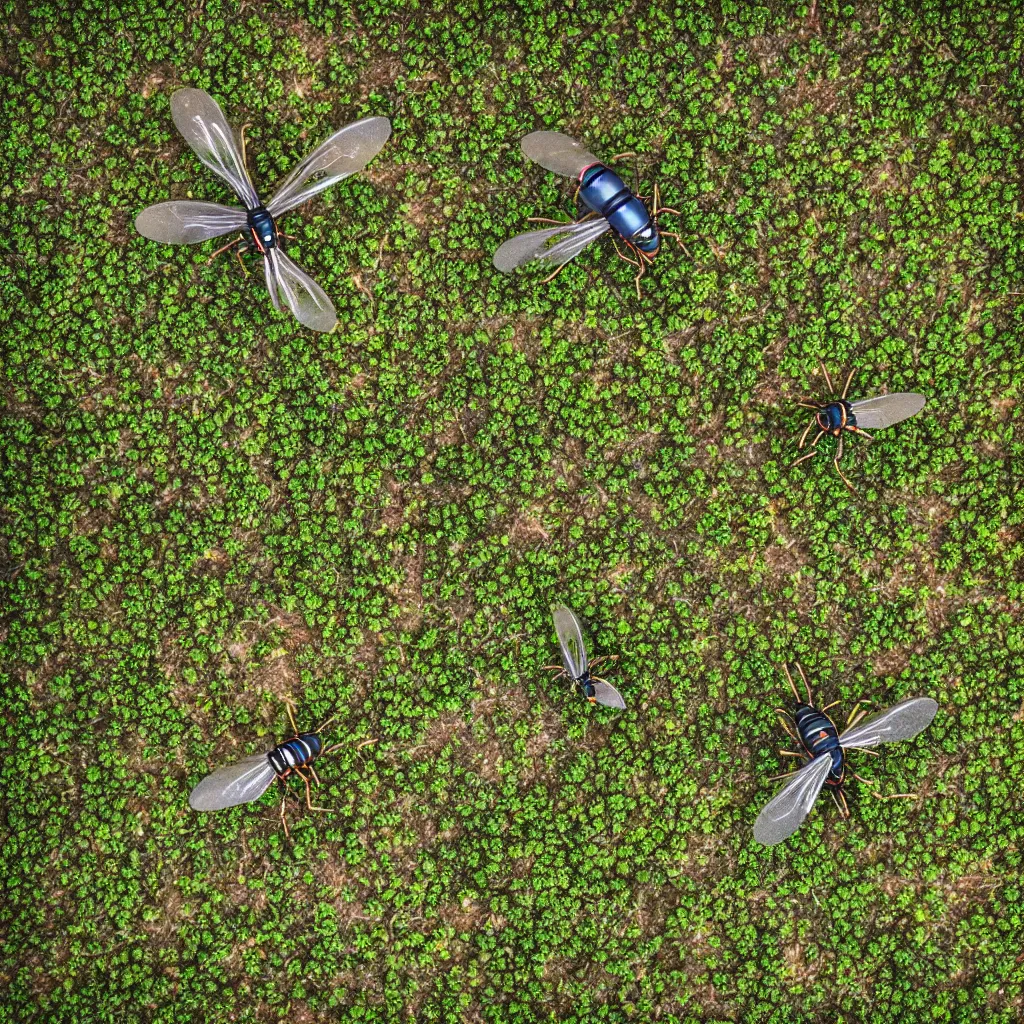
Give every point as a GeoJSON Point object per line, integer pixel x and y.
{"type": "Point", "coordinates": [204, 127]}
{"type": "Point", "coordinates": [785, 813]}
{"type": "Point", "coordinates": [574, 657]}
{"type": "Point", "coordinates": [559, 154]}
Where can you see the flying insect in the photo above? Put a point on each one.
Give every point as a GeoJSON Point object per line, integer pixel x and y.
{"type": "Point", "coordinates": [247, 780]}
{"type": "Point", "coordinates": [610, 204]}
{"type": "Point", "coordinates": [838, 416]}
{"type": "Point", "coordinates": [823, 750]}
{"type": "Point", "coordinates": [575, 664]}
{"type": "Point", "coordinates": [202, 123]}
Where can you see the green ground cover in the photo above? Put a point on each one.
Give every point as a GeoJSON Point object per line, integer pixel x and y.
{"type": "Point", "coordinates": [205, 507]}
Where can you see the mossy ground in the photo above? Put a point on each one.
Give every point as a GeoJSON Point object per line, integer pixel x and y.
{"type": "Point", "coordinates": [206, 508]}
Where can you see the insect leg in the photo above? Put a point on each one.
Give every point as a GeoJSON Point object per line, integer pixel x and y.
{"type": "Point", "coordinates": [813, 451]}
{"type": "Point", "coordinates": [635, 263]}
{"type": "Point", "coordinates": [792, 753]}
{"type": "Point", "coordinates": [789, 677]}
{"type": "Point", "coordinates": [551, 277]}
{"type": "Point", "coordinates": [548, 220]}
{"type": "Point", "coordinates": [840, 801]}
{"type": "Point", "coordinates": [284, 820]}
{"type": "Point", "coordinates": [803, 436]}
{"type": "Point", "coordinates": [872, 789]}
{"type": "Point", "coordinates": [785, 725]}
{"type": "Point", "coordinates": [807, 685]}
{"type": "Point", "coordinates": [847, 387]}
{"type": "Point", "coordinates": [832, 705]}
{"type": "Point", "coordinates": [835, 462]}
{"type": "Point", "coordinates": [862, 433]}
{"type": "Point", "coordinates": [856, 713]}
{"type": "Point", "coordinates": [224, 248]}
{"type": "Point", "coordinates": [291, 717]}
{"type": "Point", "coordinates": [828, 379]}
{"type": "Point", "coordinates": [242, 136]}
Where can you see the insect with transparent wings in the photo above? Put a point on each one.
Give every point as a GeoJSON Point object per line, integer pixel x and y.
{"type": "Point", "coordinates": [202, 123]}
{"type": "Point", "coordinates": [838, 416]}
{"type": "Point", "coordinates": [575, 664]}
{"type": "Point", "coordinates": [248, 779]}
{"type": "Point", "coordinates": [611, 205]}
{"type": "Point", "coordinates": [823, 750]}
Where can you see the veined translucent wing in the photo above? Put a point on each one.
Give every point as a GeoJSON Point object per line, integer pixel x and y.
{"type": "Point", "coordinates": [902, 721]}
{"type": "Point", "coordinates": [606, 694]}
{"type": "Point", "coordinates": [185, 221]}
{"type": "Point", "coordinates": [233, 784]}
{"type": "Point", "coordinates": [885, 410]}
{"type": "Point", "coordinates": [205, 129]}
{"type": "Point", "coordinates": [558, 153]}
{"type": "Point", "coordinates": [347, 151]}
{"type": "Point", "coordinates": [570, 639]}
{"type": "Point", "coordinates": [294, 288]}
{"type": "Point", "coordinates": [785, 813]}
{"type": "Point", "coordinates": [556, 245]}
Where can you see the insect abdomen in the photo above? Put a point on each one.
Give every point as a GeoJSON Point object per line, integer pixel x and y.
{"type": "Point", "coordinates": [604, 192]}
{"type": "Point", "coordinates": [818, 735]}
{"type": "Point", "coordinates": [294, 753]}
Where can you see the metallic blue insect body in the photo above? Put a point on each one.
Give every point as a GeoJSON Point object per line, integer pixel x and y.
{"type": "Point", "coordinates": [608, 204]}
{"type": "Point", "coordinates": [298, 752]}
{"type": "Point", "coordinates": [262, 229]}
{"type": "Point", "coordinates": [818, 735]}
{"type": "Point", "coordinates": [836, 417]}
{"type": "Point", "coordinates": [606, 194]}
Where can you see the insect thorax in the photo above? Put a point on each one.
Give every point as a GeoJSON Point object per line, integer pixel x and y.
{"type": "Point", "coordinates": [604, 192]}
{"type": "Point", "coordinates": [835, 416]}
{"type": "Point", "coordinates": [294, 753]}
{"type": "Point", "coordinates": [262, 229]}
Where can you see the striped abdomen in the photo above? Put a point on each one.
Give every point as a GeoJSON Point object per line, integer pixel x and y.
{"type": "Point", "coordinates": [818, 735]}
{"type": "Point", "coordinates": [294, 753]}
{"type": "Point", "coordinates": [604, 192]}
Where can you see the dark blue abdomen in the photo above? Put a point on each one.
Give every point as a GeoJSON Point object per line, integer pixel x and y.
{"type": "Point", "coordinates": [262, 229]}
{"type": "Point", "coordinates": [604, 192]}
{"type": "Point", "coordinates": [295, 753]}
{"type": "Point", "coordinates": [834, 416]}
{"type": "Point", "coordinates": [819, 735]}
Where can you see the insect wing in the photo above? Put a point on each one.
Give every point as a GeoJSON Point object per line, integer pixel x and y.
{"type": "Point", "coordinates": [185, 222]}
{"type": "Point", "coordinates": [885, 410]}
{"type": "Point", "coordinates": [347, 151]}
{"type": "Point", "coordinates": [556, 245]}
{"type": "Point", "coordinates": [902, 721]}
{"type": "Point", "coordinates": [294, 288]}
{"type": "Point", "coordinates": [205, 129]}
{"type": "Point", "coordinates": [606, 694]}
{"type": "Point", "coordinates": [558, 153]}
{"type": "Point", "coordinates": [233, 784]}
{"type": "Point", "coordinates": [570, 639]}
{"type": "Point", "coordinates": [786, 812]}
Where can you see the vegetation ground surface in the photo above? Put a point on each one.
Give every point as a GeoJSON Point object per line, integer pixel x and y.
{"type": "Point", "coordinates": [206, 508]}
